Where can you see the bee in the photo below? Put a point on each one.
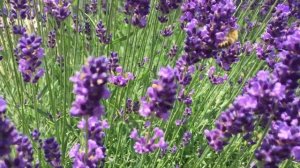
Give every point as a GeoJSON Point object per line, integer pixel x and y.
{"type": "Point", "coordinates": [231, 37]}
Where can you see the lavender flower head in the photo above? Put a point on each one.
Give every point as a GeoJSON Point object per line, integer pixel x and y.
{"type": "Point", "coordinates": [8, 137]}
{"type": "Point", "coordinates": [19, 30]}
{"type": "Point", "coordinates": [30, 54]}
{"type": "Point", "coordinates": [59, 9]}
{"type": "Point", "coordinates": [52, 152]}
{"type": "Point", "coordinates": [95, 129]}
{"type": "Point", "coordinates": [121, 79]}
{"type": "Point", "coordinates": [3, 106]}
{"type": "Point", "coordinates": [168, 31]}
{"type": "Point", "coordinates": [138, 11]}
{"type": "Point", "coordinates": [24, 148]}
{"type": "Point", "coordinates": [19, 8]}
{"type": "Point", "coordinates": [89, 88]}
{"type": "Point", "coordinates": [216, 79]}
{"type": "Point", "coordinates": [145, 144]}
{"type": "Point", "coordinates": [207, 25]}
{"type": "Point", "coordinates": [165, 7]}
{"type": "Point", "coordinates": [162, 95]}
{"type": "Point", "coordinates": [102, 34]}
{"type": "Point", "coordinates": [95, 155]}
{"type": "Point", "coordinates": [52, 39]}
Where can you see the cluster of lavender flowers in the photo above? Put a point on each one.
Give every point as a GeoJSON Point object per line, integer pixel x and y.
{"type": "Point", "coordinates": [90, 88]}
{"type": "Point", "coordinates": [161, 95]}
{"type": "Point", "coordinates": [216, 79]}
{"type": "Point", "coordinates": [168, 31]}
{"type": "Point", "coordinates": [145, 144]}
{"type": "Point", "coordinates": [30, 53]}
{"type": "Point", "coordinates": [272, 38]}
{"type": "Point", "coordinates": [52, 152]}
{"type": "Point", "coordinates": [102, 34]}
{"type": "Point", "coordinates": [184, 71]}
{"type": "Point", "coordinates": [269, 98]}
{"type": "Point", "coordinates": [117, 76]}
{"type": "Point", "coordinates": [138, 11]}
{"type": "Point", "coordinates": [58, 9]}
{"type": "Point", "coordinates": [295, 7]}
{"type": "Point", "coordinates": [52, 39]}
{"type": "Point", "coordinates": [165, 7]}
{"type": "Point", "coordinates": [207, 24]}
{"type": "Point", "coordinates": [10, 138]}
{"type": "Point", "coordinates": [20, 8]}
{"type": "Point", "coordinates": [91, 7]}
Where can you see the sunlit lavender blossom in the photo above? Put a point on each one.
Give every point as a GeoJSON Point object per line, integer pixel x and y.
{"type": "Point", "coordinates": [52, 39]}
{"type": "Point", "coordinates": [120, 78]}
{"type": "Point", "coordinates": [52, 152]}
{"type": "Point", "coordinates": [145, 144]}
{"type": "Point", "coordinates": [173, 51]}
{"type": "Point", "coordinates": [184, 71]}
{"type": "Point", "coordinates": [8, 136]}
{"type": "Point", "coordinates": [168, 31]}
{"type": "Point", "coordinates": [186, 139]}
{"type": "Point", "coordinates": [95, 129]}
{"type": "Point", "coordinates": [102, 34]}
{"type": "Point", "coordinates": [89, 88]}
{"type": "Point", "coordinates": [92, 159]}
{"type": "Point", "coordinates": [3, 106]}
{"type": "Point", "coordinates": [30, 54]}
{"type": "Point", "coordinates": [227, 57]}
{"type": "Point", "coordinates": [138, 11]}
{"type": "Point", "coordinates": [24, 149]}
{"type": "Point", "coordinates": [58, 9]}
{"type": "Point", "coordinates": [207, 24]}
{"type": "Point", "coordinates": [269, 97]}
{"type": "Point", "coordinates": [216, 79]}
{"type": "Point", "coordinates": [165, 7]}
{"type": "Point", "coordinates": [19, 8]}
{"type": "Point", "coordinates": [272, 38]}
{"type": "Point", "coordinates": [19, 30]}
{"type": "Point", "coordinates": [161, 95]}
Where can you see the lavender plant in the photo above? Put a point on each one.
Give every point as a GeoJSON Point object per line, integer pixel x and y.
{"type": "Point", "coordinates": [194, 83]}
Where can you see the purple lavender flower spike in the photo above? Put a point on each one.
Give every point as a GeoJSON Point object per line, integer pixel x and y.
{"type": "Point", "coordinates": [89, 87]}
{"type": "Point", "coordinates": [173, 51]}
{"type": "Point", "coordinates": [24, 152]}
{"type": "Point", "coordinates": [95, 155]}
{"type": "Point", "coordinates": [273, 37]}
{"type": "Point", "coordinates": [227, 57]}
{"type": "Point", "coordinates": [52, 152]}
{"type": "Point", "coordinates": [184, 71]}
{"type": "Point", "coordinates": [3, 106]}
{"type": "Point", "coordinates": [58, 9]}
{"type": "Point", "coordinates": [145, 144]}
{"type": "Point", "coordinates": [19, 30]}
{"type": "Point", "coordinates": [295, 8]}
{"type": "Point", "coordinates": [165, 7]}
{"type": "Point", "coordinates": [216, 79]}
{"type": "Point", "coordinates": [207, 24]}
{"type": "Point", "coordinates": [138, 11]}
{"type": "Point", "coordinates": [186, 139]}
{"type": "Point", "coordinates": [102, 34]}
{"type": "Point", "coordinates": [270, 97]}
{"type": "Point", "coordinates": [168, 31]}
{"type": "Point", "coordinates": [9, 136]}
{"type": "Point", "coordinates": [95, 128]}
{"type": "Point", "coordinates": [30, 54]}
{"type": "Point", "coordinates": [121, 79]}
{"type": "Point", "coordinates": [52, 39]}
{"type": "Point", "coordinates": [19, 8]}
{"type": "Point", "coordinates": [161, 95]}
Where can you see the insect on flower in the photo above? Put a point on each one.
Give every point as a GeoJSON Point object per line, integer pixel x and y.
{"type": "Point", "coordinates": [231, 37]}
